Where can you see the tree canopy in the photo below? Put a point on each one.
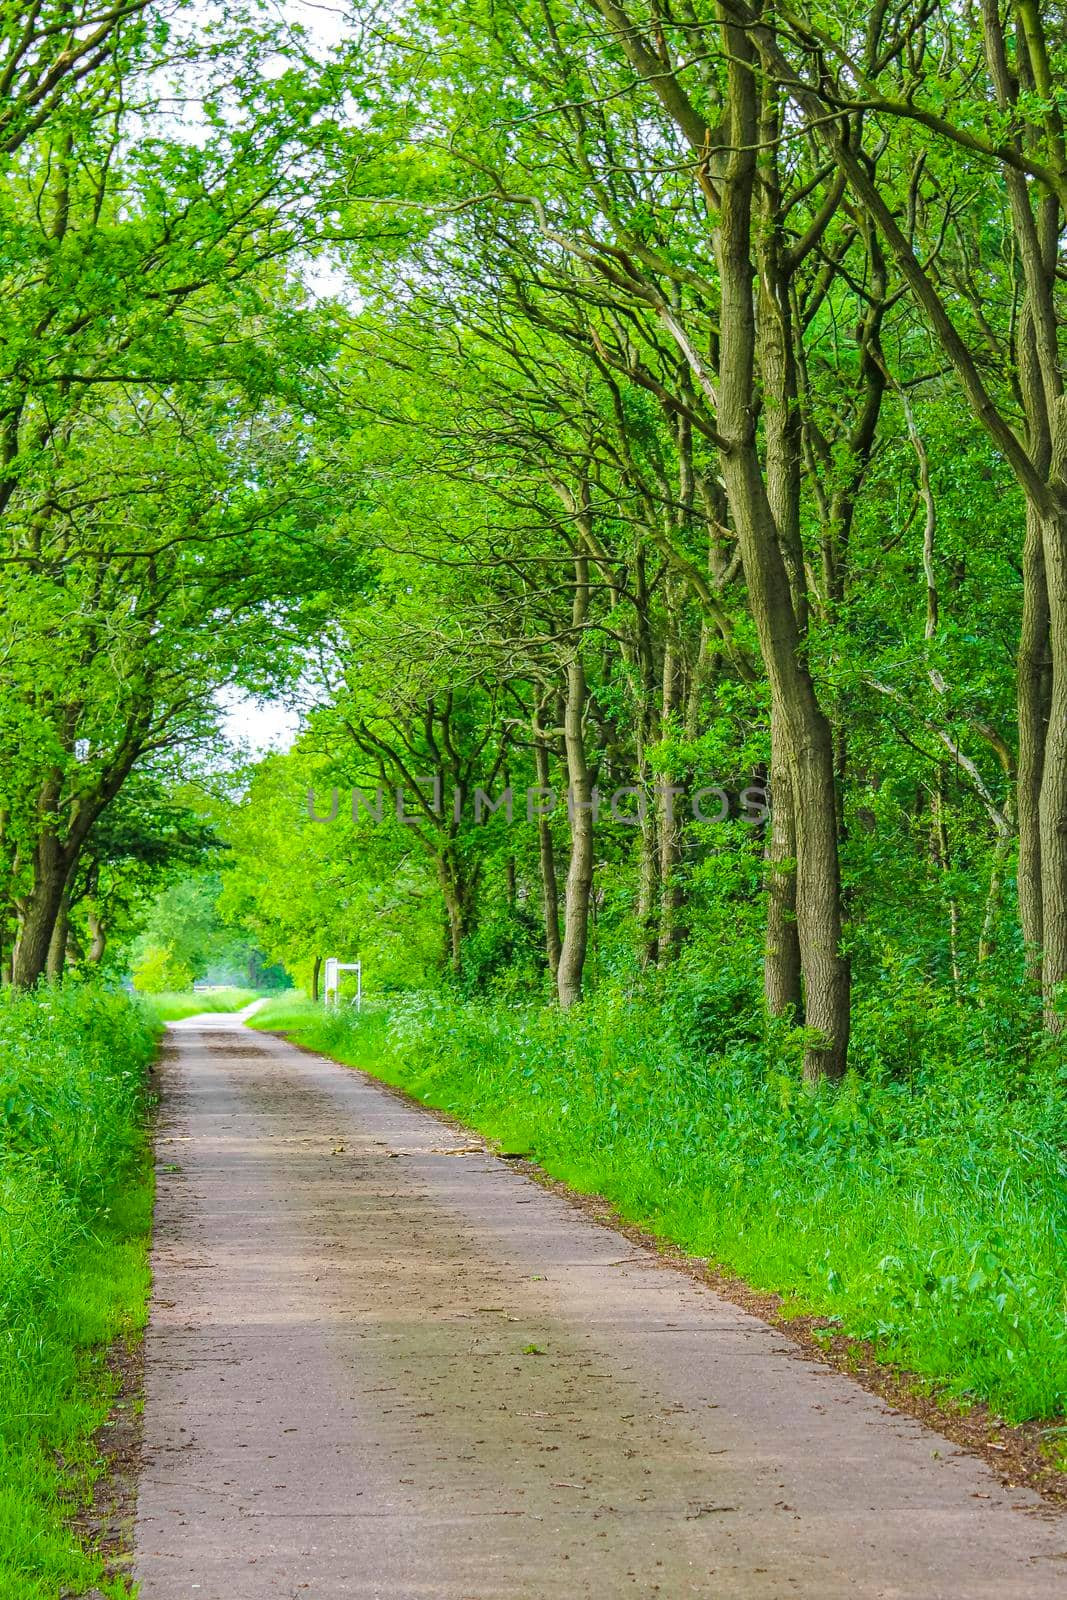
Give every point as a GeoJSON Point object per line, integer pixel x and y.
{"type": "Point", "coordinates": [658, 410]}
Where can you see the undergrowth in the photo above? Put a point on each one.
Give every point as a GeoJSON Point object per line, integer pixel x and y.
{"type": "Point", "coordinates": [75, 1211]}
{"type": "Point", "coordinates": [924, 1211]}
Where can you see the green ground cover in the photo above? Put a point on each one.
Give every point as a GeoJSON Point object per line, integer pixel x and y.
{"type": "Point", "coordinates": [173, 1007]}
{"type": "Point", "coordinates": [75, 1215]}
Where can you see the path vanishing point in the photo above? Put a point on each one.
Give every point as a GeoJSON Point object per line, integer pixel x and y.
{"type": "Point", "coordinates": [382, 1362]}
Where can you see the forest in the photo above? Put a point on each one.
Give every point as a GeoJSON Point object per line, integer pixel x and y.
{"type": "Point", "coordinates": [581, 402]}
{"type": "Point", "coordinates": [625, 445]}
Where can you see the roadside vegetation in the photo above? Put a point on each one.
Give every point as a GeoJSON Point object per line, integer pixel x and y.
{"type": "Point", "coordinates": [172, 1007]}
{"type": "Point", "coordinates": [926, 1213]}
{"type": "Point", "coordinates": [75, 1213]}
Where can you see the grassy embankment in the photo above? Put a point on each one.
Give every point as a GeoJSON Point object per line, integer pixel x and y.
{"type": "Point", "coordinates": [75, 1214]}
{"type": "Point", "coordinates": [926, 1212]}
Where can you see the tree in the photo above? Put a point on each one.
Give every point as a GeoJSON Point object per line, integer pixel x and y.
{"type": "Point", "coordinates": [1006, 122]}
{"type": "Point", "coordinates": [159, 516]}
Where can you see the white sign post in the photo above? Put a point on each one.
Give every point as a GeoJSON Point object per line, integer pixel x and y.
{"type": "Point", "coordinates": [332, 986]}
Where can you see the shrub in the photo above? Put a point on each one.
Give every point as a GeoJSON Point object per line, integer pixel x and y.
{"type": "Point", "coordinates": [159, 971]}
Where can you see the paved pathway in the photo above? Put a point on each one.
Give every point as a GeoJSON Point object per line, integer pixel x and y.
{"type": "Point", "coordinates": [381, 1363]}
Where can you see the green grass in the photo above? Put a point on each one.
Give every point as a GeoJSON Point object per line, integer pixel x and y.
{"type": "Point", "coordinates": [75, 1215]}
{"type": "Point", "coordinates": [292, 1011]}
{"type": "Point", "coordinates": [172, 1007]}
{"type": "Point", "coordinates": [925, 1212]}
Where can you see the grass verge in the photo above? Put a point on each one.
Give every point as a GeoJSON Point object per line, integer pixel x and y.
{"type": "Point", "coordinates": [173, 1007]}
{"type": "Point", "coordinates": [75, 1216]}
{"type": "Point", "coordinates": [925, 1218]}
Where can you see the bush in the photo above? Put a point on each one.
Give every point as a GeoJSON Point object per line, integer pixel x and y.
{"type": "Point", "coordinates": [159, 971]}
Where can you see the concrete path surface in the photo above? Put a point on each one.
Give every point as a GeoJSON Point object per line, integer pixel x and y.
{"type": "Point", "coordinates": [382, 1363]}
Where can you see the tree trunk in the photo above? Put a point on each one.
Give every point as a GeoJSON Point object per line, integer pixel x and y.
{"type": "Point", "coordinates": [648, 889]}
{"type": "Point", "coordinates": [54, 860]}
{"type": "Point", "coordinates": [57, 944]}
{"type": "Point", "coordinates": [806, 746]}
{"type": "Point", "coordinates": [942, 856]}
{"type": "Point", "coordinates": [669, 825]}
{"type": "Point", "coordinates": [579, 812]}
{"type": "Point", "coordinates": [316, 972]}
{"type": "Point", "coordinates": [781, 953]}
{"type": "Point", "coordinates": [825, 968]}
{"type": "Point", "coordinates": [987, 941]}
{"type": "Point", "coordinates": [1034, 690]}
{"type": "Point", "coordinates": [547, 855]}
{"type": "Point", "coordinates": [1052, 810]}
{"type": "Point", "coordinates": [644, 666]}
{"type": "Point", "coordinates": [97, 938]}
{"type": "Point", "coordinates": [457, 896]}
{"type": "Point", "coordinates": [38, 912]}
{"type": "Point", "coordinates": [672, 929]}
{"type": "Point", "coordinates": [456, 929]}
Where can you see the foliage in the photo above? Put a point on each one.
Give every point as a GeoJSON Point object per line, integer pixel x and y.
{"type": "Point", "coordinates": [161, 523]}
{"type": "Point", "coordinates": [74, 1215]}
{"type": "Point", "coordinates": [184, 937]}
{"type": "Point", "coordinates": [166, 1007]}
{"type": "Point", "coordinates": [307, 889]}
{"type": "Point", "coordinates": [158, 969]}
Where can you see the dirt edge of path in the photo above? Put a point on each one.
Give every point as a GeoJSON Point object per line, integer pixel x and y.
{"type": "Point", "coordinates": [1015, 1452]}
{"type": "Point", "coordinates": [106, 1522]}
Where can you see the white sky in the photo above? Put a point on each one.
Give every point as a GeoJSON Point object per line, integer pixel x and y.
{"type": "Point", "coordinates": [259, 726]}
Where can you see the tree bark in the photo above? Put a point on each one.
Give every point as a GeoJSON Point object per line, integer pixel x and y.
{"type": "Point", "coordinates": [643, 663]}
{"type": "Point", "coordinates": [38, 912]}
{"type": "Point", "coordinates": [1034, 694]}
{"type": "Point", "coordinates": [579, 809]}
{"type": "Point", "coordinates": [97, 937]}
{"type": "Point", "coordinates": [1052, 809]}
{"type": "Point", "coordinates": [648, 888]}
{"type": "Point", "coordinates": [987, 940]}
{"type": "Point", "coordinates": [781, 953]}
{"type": "Point", "coordinates": [807, 746]}
{"type": "Point", "coordinates": [669, 825]}
{"type": "Point", "coordinates": [54, 858]}
{"type": "Point", "coordinates": [56, 959]}
{"type": "Point", "coordinates": [941, 851]}
{"type": "Point", "coordinates": [455, 895]}
{"type": "Point", "coordinates": [547, 858]}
